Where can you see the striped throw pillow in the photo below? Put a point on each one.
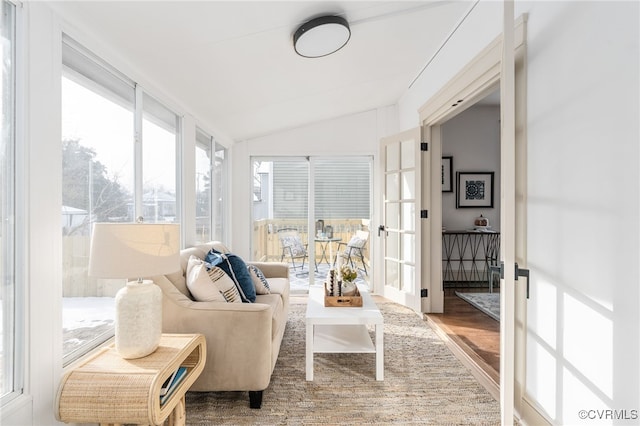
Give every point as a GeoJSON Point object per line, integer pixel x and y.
{"type": "Point", "coordinates": [225, 284]}
{"type": "Point", "coordinates": [259, 280]}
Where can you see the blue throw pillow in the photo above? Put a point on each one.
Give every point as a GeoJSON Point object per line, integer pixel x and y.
{"type": "Point", "coordinates": [235, 267]}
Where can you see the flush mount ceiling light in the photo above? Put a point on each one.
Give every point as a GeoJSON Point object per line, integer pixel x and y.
{"type": "Point", "coordinates": [321, 36]}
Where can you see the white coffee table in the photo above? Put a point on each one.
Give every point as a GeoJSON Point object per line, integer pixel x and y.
{"type": "Point", "coordinates": [343, 329]}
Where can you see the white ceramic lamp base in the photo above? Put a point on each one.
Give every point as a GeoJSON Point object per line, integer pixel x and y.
{"type": "Point", "coordinates": [138, 319]}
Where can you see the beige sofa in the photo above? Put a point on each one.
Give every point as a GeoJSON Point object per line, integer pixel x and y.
{"type": "Point", "coordinates": [243, 339]}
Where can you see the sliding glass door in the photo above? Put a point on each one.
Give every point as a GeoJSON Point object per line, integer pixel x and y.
{"type": "Point", "coordinates": [307, 209]}
{"type": "Point", "coordinates": [280, 200]}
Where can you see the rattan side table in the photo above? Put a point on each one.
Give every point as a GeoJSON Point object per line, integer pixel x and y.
{"type": "Point", "coordinates": [107, 389]}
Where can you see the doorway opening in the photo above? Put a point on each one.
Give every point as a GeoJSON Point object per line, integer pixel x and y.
{"type": "Point", "coordinates": [471, 231]}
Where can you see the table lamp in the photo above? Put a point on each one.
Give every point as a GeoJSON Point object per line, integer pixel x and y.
{"type": "Point", "coordinates": [136, 250]}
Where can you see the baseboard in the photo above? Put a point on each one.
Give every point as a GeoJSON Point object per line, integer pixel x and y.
{"type": "Point", "coordinates": [484, 373]}
{"type": "Point", "coordinates": [530, 415]}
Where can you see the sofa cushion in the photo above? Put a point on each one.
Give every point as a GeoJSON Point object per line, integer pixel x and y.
{"type": "Point", "coordinates": [179, 278]}
{"type": "Point", "coordinates": [200, 283]}
{"type": "Point", "coordinates": [279, 285]}
{"type": "Point", "coordinates": [259, 280]}
{"type": "Point", "coordinates": [216, 245]}
{"type": "Point", "coordinates": [235, 267]}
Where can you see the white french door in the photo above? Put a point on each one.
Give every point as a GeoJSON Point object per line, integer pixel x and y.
{"type": "Point", "coordinates": [502, 62]}
{"type": "Point", "coordinates": [400, 227]}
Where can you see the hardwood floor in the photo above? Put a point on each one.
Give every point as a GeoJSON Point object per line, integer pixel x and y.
{"type": "Point", "coordinates": [475, 334]}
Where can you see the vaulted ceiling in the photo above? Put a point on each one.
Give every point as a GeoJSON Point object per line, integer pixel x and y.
{"type": "Point", "coordinates": [232, 65]}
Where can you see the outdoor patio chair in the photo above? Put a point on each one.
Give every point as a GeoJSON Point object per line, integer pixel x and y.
{"type": "Point", "coordinates": [292, 247]}
{"type": "Point", "coordinates": [354, 249]}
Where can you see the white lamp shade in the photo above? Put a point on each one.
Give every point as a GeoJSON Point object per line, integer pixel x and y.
{"type": "Point", "coordinates": [134, 250]}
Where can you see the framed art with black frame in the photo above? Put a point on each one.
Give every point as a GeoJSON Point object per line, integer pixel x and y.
{"type": "Point", "coordinates": [474, 189]}
{"type": "Point", "coordinates": [447, 173]}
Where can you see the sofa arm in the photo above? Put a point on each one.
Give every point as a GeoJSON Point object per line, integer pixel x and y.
{"type": "Point", "coordinates": [272, 269]}
{"type": "Point", "coordinates": [238, 335]}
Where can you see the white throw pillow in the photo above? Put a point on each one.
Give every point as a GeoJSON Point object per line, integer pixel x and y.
{"type": "Point", "coordinates": [200, 283]}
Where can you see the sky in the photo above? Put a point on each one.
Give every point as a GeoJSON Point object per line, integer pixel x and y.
{"type": "Point", "coordinates": [108, 128]}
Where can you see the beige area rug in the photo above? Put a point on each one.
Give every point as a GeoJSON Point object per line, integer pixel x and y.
{"type": "Point", "coordinates": [423, 384]}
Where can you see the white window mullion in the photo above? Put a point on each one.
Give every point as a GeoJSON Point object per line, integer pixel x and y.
{"type": "Point", "coordinates": [137, 154]}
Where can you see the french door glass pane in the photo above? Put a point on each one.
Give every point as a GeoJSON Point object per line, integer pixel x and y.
{"type": "Point", "coordinates": [393, 187]}
{"type": "Point", "coordinates": [392, 271]}
{"type": "Point", "coordinates": [408, 185]}
{"type": "Point", "coordinates": [408, 215]}
{"type": "Point", "coordinates": [393, 157]}
{"type": "Point", "coordinates": [159, 146]}
{"type": "Point", "coordinates": [408, 277]}
{"type": "Point", "coordinates": [408, 247]}
{"type": "Point", "coordinates": [393, 245]}
{"type": "Point", "coordinates": [408, 154]}
{"type": "Point", "coordinates": [392, 215]}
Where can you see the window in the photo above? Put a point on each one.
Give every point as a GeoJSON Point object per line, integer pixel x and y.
{"type": "Point", "coordinates": [203, 187]}
{"type": "Point", "coordinates": [160, 142]}
{"type": "Point", "coordinates": [210, 181]}
{"type": "Point", "coordinates": [218, 192]}
{"type": "Point", "coordinates": [98, 110]}
{"type": "Point", "coordinates": [108, 176]}
{"type": "Point", "coordinates": [10, 316]}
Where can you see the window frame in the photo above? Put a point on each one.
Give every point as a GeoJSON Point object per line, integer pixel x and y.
{"type": "Point", "coordinates": [97, 75]}
{"type": "Point", "coordinates": [16, 194]}
{"type": "Point", "coordinates": [205, 142]}
{"type": "Point", "coordinates": [218, 179]}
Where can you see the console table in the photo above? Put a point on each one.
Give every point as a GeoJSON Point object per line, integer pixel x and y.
{"type": "Point", "coordinates": [467, 255]}
{"type": "Point", "coordinates": [107, 389]}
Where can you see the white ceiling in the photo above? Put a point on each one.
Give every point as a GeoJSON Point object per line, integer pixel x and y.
{"type": "Point", "coordinates": [232, 64]}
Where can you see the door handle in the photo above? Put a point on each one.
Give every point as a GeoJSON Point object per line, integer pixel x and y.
{"type": "Point", "coordinates": [519, 272]}
{"type": "Point", "coordinates": [382, 228]}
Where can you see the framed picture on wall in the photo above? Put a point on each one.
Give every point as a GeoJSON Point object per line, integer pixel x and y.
{"type": "Point", "coordinates": [474, 189]}
{"type": "Point", "coordinates": [447, 174]}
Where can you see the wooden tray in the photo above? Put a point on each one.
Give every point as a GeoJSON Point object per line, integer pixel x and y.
{"type": "Point", "coordinates": [342, 301]}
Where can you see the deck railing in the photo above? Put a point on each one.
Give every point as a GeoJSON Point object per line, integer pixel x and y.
{"type": "Point", "coordinates": [266, 245]}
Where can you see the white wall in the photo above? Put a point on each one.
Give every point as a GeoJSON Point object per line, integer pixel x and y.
{"type": "Point", "coordinates": [583, 201]}
{"type": "Point", "coordinates": [583, 207]}
{"type": "Point", "coordinates": [473, 139]}
{"type": "Point", "coordinates": [357, 134]}
{"type": "Point", "coordinates": [478, 30]}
